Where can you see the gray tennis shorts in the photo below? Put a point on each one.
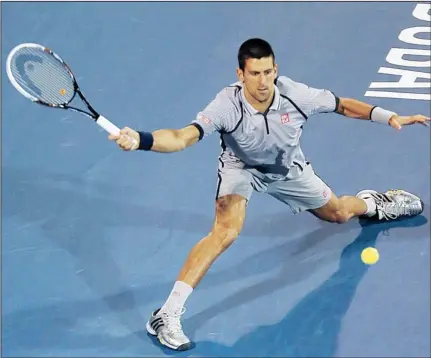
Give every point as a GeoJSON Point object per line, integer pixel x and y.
{"type": "Point", "coordinates": [306, 192]}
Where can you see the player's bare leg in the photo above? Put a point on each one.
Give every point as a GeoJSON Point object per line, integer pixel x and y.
{"type": "Point", "coordinates": [229, 220]}
{"type": "Point", "coordinates": [342, 209]}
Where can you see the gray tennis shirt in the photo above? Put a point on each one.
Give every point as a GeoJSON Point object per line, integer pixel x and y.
{"type": "Point", "coordinates": [264, 143]}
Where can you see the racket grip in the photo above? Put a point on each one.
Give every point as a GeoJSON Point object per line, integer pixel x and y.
{"type": "Point", "coordinates": [107, 125]}
{"type": "Point", "coordinates": [111, 128]}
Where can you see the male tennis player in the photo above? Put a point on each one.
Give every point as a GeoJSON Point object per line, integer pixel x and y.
{"type": "Point", "coordinates": [260, 119]}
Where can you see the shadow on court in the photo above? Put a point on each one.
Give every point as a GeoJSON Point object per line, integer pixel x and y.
{"type": "Point", "coordinates": [311, 328]}
{"type": "Point", "coordinates": [66, 219]}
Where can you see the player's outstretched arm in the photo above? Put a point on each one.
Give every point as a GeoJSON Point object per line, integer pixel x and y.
{"type": "Point", "coordinates": [161, 140]}
{"type": "Point", "coordinates": [353, 108]}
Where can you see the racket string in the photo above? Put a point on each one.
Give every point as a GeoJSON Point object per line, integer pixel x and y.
{"type": "Point", "coordinates": [43, 76]}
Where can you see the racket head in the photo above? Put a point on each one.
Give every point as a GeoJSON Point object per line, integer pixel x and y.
{"type": "Point", "coordinates": [41, 75]}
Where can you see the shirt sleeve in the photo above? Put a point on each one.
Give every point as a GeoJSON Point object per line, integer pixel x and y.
{"type": "Point", "coordinates": [310, 100]}
{"type": "Point", "coordinates": [216, 116]}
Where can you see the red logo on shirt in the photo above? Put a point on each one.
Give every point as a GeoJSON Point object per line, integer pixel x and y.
{"type": "Point", "coordinates": [204, 119]}
{"type": "Point", "coordinates": [285, 118]}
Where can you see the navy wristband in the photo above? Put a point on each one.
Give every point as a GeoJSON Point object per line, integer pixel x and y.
{"type": "Point", "coordinates": [146, 140]}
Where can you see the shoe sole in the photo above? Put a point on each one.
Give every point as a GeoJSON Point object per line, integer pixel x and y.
{"type": "Point", "coordinates": [183, 347]}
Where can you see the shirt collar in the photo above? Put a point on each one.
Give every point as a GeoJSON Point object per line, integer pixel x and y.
{"type": "Point", "coordinates": [274, 105]}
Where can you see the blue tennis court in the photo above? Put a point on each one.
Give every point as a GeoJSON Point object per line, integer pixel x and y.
{"type": "Point", "coordinates": [93, 237]}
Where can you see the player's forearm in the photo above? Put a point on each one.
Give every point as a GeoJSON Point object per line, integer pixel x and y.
{"type": "Point", "coordinates": [167, 141]}
{"type": "Point", "coordinates": [353, 108]}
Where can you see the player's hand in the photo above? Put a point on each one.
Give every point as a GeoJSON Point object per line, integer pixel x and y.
{"type": "Point", "coordinates": [398, 122]}
{"type": "Point", "coordinates": [128, 139]}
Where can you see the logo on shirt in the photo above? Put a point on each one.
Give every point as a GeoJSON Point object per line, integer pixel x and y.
{"type": "Point", "coordinates": [204, 119]}
{"type": "Point", "coordinates": [285, 118]}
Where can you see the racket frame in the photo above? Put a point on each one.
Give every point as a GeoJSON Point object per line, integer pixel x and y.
{"type": "Point", "coordinates": [99, 119]}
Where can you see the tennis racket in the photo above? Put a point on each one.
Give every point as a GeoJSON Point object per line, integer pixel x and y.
{"type": "Point", "coordinates": [42, 76]}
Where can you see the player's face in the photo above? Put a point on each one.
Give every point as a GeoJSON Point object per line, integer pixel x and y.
{"type": "Point", "coordinates": [258, 78]}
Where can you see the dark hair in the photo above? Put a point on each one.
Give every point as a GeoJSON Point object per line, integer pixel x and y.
{"type": "Point", "coordinates": [254, 48]}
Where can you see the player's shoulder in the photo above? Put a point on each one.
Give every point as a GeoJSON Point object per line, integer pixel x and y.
{"type": "Point", "coordinates": [287, 86]}
{"type": "Point", "coordinates": [228, 97]}
{"type": "Point", "coordinates": [231, 92]}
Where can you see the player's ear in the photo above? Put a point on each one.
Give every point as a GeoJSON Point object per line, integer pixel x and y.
{"type": "Point", "coordinates": [275, 70]}
{"type": "Point", "coordinates": [240, 74]}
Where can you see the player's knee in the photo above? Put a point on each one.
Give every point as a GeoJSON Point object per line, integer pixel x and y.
{"type": "Point", "coordinates": [334, 212]}
{"type": "Point", "coordinates": [340, 217]}
{"type": "Point", "coordinates": [230, 214]}
{"type": "Point", "coordinates": [339, 213]}
{"type": "Point", "coordinates": [336, 215]}
{"type": "Point", "coordinates": [224, 234]}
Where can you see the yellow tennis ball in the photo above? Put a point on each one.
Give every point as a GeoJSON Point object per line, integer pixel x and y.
{"type": "Point", "coordinates": [62, 91]}
{"type": "Point", "coordinates": [370, 255]}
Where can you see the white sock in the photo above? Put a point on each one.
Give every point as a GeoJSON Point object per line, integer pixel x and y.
{"type": "Point", "coordinates": [178, 297]}
{"type": "Point", "coordinates": [371, 206]}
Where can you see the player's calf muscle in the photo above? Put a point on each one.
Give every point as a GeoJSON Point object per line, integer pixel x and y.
{"type": "Point", "coordinates": [206, 251]}
{"type": "Point", "coordinates": [230, 213]}
{"type": "Point", "coordinates": [342, 209]}
{"type": "Point", "coordinates": [228, 223]}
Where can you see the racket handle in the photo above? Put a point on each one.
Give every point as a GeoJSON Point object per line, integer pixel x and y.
{"type": "Point", "coordinates": [111, 128]}
{"type": "Point", "coordinates": [108, 125]}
